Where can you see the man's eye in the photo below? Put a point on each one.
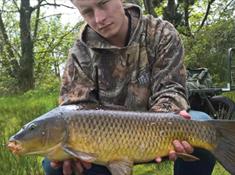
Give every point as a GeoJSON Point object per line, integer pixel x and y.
{"type": "Point", "coordinates": [104, 2]}
{"type": "Point", "coordinates": [84, 12]}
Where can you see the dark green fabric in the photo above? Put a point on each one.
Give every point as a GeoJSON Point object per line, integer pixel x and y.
{"type": "Point", "coordinates": [198, 79]}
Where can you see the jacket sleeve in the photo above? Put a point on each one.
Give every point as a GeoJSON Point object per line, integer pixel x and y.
{"type": "Point", "coordinates": [168, 76]}
{"type": "Point", "coordinates": [76, 86]}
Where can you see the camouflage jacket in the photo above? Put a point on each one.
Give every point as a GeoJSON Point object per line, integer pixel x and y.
{"type": "Point", "coordinates": [147, 74]}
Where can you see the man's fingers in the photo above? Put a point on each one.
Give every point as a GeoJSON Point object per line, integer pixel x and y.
{"type": "Point", "coordinates": [78, 166]}
{"type": "Point", "coordinates": [86, 165]}
{"type": "Point", "coordinates": [185, 114]}
{"type": "Point", "coordinates": [178, 146]}
{"type": "Point", "coordinates": [182, 147]}
{"type": "Point", "coordinates": [55, 164]}
{"type": "Point", "coordinates": [67, 167]}
{"type": "Point", "coordinates": [172, 155]}
{"type": "Point", "coordinates": [158, 159]}
{"type": "Point", "coordinates": [187, 147]}
{"type": "Point", "coordinates": [81, 165]}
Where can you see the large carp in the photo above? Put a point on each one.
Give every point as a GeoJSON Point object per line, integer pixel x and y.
{"type": "Point", "coordinates": [119, 139]}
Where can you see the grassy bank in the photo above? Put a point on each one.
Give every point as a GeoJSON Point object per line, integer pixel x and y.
{"type": "Point", "coordinates": [15, 111]}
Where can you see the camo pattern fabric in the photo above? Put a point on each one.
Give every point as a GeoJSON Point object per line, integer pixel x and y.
{"type": "Point", "coordinates": [147, 74]}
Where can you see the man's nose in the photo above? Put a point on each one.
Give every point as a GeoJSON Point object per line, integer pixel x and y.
{"type": "Point", "coordinates": [100, 16]}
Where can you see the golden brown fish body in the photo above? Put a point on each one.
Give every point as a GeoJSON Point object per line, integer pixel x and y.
{"type": "Point", "coordinates": [118, 139]}
{"type": "Point", "coordinates": [139, 136]}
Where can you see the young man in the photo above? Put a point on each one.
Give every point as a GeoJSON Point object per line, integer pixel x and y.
{"type": "Point", "coordinates": [126, 59]}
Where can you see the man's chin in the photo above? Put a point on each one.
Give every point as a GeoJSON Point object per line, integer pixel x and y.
{"type": "Point", "coordinates": [106, 35]}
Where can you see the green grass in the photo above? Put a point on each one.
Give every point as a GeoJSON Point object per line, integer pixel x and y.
{"type": "Point", "coordinates": [230, 95]}
{"type": "Point", "coordinates": [166, 168]}
{"type": "Point", "coordinates": [15, 111]}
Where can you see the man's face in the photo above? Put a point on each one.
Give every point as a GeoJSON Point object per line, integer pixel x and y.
{"type": "Point", "coordinates": [106, 17]}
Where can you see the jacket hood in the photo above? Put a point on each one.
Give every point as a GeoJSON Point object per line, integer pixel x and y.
{"type": "Point", "coordinates": [93, 40]}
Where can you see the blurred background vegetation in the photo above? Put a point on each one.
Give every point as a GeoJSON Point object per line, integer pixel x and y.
{"type": "Point", "coordinates": [34, 47]}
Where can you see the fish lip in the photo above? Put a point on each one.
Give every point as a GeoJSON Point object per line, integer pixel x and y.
{"type": "Point", "coordinates": [44, 151]}
{"type": "Point", "coordinates": [15, 146]}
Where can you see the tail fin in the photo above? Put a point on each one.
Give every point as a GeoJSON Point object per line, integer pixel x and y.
{"type": "Point", "coordinates": [225, 150]}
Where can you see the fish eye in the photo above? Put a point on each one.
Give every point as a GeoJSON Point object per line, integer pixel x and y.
{"type": "Point", "coordinates": [32, 127]}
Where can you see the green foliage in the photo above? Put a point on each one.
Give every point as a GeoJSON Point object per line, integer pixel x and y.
{"type": "Point", "coordinates": [52, 40]}
{"type": "Point", "coordinates": [166, 168]}
{"type": "Point", "coordinates": [7, 83]}
{"type": "Point", "coordinates": [11, 21]}
{"type": "Point", "coordinates": [230, 95]}
{"type": "Point", "coordinates": [209, 48]}
{"type": "Point", "coordinates": [15, 112]}
{"type": "Point", "coordinates": [51, 48]}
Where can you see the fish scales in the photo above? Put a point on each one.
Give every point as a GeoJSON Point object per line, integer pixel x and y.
{"type": "Point", "coordinates": [118, 139]}
{"type": "Point", "coordinates": [139, 136]}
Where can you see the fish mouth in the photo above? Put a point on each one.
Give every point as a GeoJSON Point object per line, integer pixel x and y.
{"type": "Point", "coordinates": [15, 146]}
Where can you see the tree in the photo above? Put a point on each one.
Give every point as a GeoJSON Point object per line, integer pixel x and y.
{"type": "Point", "coordinates": [188, 16]}
{"type": "Point", "coordinates": [52, 47]}
{"type": "Point", "coordinates": [31, 45]}
{"type": "Point", "coordinates": [209, 48]}
{"type": "Point", "coordinates": [207, 28]}
{"type": "Point", "coordinates": [22, 63]}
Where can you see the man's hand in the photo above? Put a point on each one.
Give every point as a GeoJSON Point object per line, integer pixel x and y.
{"type": "Point", "coordinates": [179, 147]}
{"type": "Point", "coordinates": [71, 165]}
{"type": "Point", "coordinates": [185, 114]}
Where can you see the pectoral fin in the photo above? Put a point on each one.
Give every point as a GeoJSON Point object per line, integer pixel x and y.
{"type": "Point", "coordinates": [187, 157]}
{"type": "Point", "coordinates": [122, 167]}
{"type": "Point", "coordinates": [88, 157]}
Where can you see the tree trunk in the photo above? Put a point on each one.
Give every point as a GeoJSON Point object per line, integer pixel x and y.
{"type": "Point", "coordinates": [11, 62]}
{"type": "Point", "coordinates": [170, 12]}
{"type": "Point", "coordinates": [149, 7]}
{"type": "Point", "coordinates": [26, 75]}
{"type": "Point", "coordinates": [186, 18]}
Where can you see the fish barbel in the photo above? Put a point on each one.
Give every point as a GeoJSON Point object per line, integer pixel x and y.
{"type": "Point", "coordinates": [118, 139]}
